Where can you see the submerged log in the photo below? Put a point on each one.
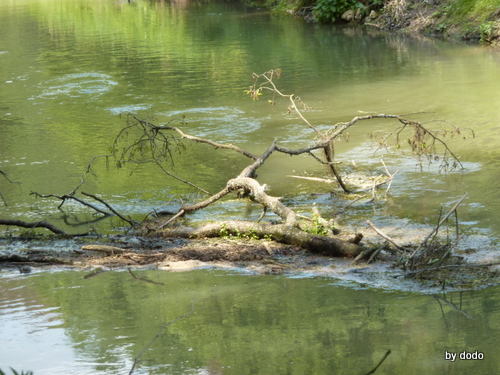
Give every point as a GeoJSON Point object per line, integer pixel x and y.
{"type": "Point", "coordinates": [282, 233]}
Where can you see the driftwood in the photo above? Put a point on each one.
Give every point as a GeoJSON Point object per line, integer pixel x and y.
{"type": "Point", "coordinates": [104, 249]}
{"type": "Point", "coordinates": [282, 233]}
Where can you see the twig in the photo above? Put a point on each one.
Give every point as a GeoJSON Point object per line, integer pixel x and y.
{"type": "Point", "coordinates": [291, 97]}
{"type": "Point", "coordinates": [317, 179]}
{"type": "Point", "coordinates": [382, 360]}
{"type": "Point", "coordinates": [436, 229]}
{"type": "Point", "coordinates": [173, 218]}
{"type": "Point", "coordinates": [451, 247]}
{"type": "Point", "coordinates": [375, 253]}
{"type": "Point", "coordinates": [88, 169]}
{"type": "Point", "coordinates": [199, 140]}
{"type": "Point", "coordinates": [181, 179]}
{"type": "Point", "coordinates": [136, 360]}
{"type": "Point", "coordinates": [143, 278]}
{"type": "Point", "coordinates": [65, 197]}
{"type": "Point", "coordinates": [362, 255]}
{"type": "Point", "coordinates": [391, 176]}
{"type": "Point", "coordinates": [382, 234]}
{"type": "Point", "coordinates": [130, 221]}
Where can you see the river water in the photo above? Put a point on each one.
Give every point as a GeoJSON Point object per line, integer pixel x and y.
{"type": "Point", "coordinates": [71, 69]}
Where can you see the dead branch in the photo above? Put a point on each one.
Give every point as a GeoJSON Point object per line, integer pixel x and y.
{"type": "Point", "coordinates": [381, 361]}
{"type": "Point", "coordinates": [329, 153]}
{"type": "Point", "coordinates": [37, 224]}
{"type": "Point", "coordinates": [253, 189]}
{"type": "Point", "coordinates": [130, 221]}
{"type": "Point", "coordinates": [375, 253]}
{"type": "Point", "coordinates": [7, 178]}
{"type": "Point", "coordinates": [344, 209]}
{"type": "Point", "coordinates": [385, 236]}
{"type": "Point", "coordinates": [88, 170]}
{"type": "Point", "coordinates": [250, 171]}
{"type": "Point", "coordinates": [368, 254]}
{"type": "Point", "coordinates": [257, 193]}
{"type": "Point", "coordinates": [391, 177]}
{"type": "Point", "coordinates": [66, 197]}
{"type": "Point", "coordinates": [450, 248]}
{"type": "Point", "coordinates": [183, 135]}
{"type": "Point", "coordinates": [180, 178]}
{"type": "Point", "coordinates": [436, 229]}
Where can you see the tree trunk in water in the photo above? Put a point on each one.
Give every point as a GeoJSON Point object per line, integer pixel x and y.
{"type": "Point", "coordinates": [287, 234]}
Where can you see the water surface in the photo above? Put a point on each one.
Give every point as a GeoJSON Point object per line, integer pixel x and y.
{"type": "Point", "coordinates": [242, 324]}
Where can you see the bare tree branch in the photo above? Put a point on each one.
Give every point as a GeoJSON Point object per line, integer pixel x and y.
{"type": "Point", "coordinates": [383, 235]}
{"type": "Point", "coordinates": [130, 221]}
{"type": "Point", "coordinates": [32, 225]}
{"type": "Point", "coordinates": [66, 197]}
{"type": "Point", "coordinates": [156, 129]}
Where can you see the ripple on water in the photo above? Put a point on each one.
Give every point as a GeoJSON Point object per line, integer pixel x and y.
{"type": "Point", "coordinates": [212, 122]}
{"type": "Point", "coordinates": [77, 85]}
{"type": "Point", "coordinates": [132, 108]}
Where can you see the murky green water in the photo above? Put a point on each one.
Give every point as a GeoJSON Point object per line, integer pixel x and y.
{"type": "Point", "coordinates": [69, 68]}
{"type": "Point", "coordinates": [59, 323]}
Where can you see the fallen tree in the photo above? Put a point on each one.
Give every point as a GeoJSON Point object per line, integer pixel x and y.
{"type": "Point", "coordinates": [143, 140]}
{"type": "Point", "coordinates": [287, 234]}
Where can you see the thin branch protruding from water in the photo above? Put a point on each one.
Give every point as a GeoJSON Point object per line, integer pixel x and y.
{"type": "Point", "coordinates": [160, 331]}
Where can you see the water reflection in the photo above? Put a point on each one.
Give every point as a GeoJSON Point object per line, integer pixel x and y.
{"type": "Point", "coordinates": [241, 325]}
